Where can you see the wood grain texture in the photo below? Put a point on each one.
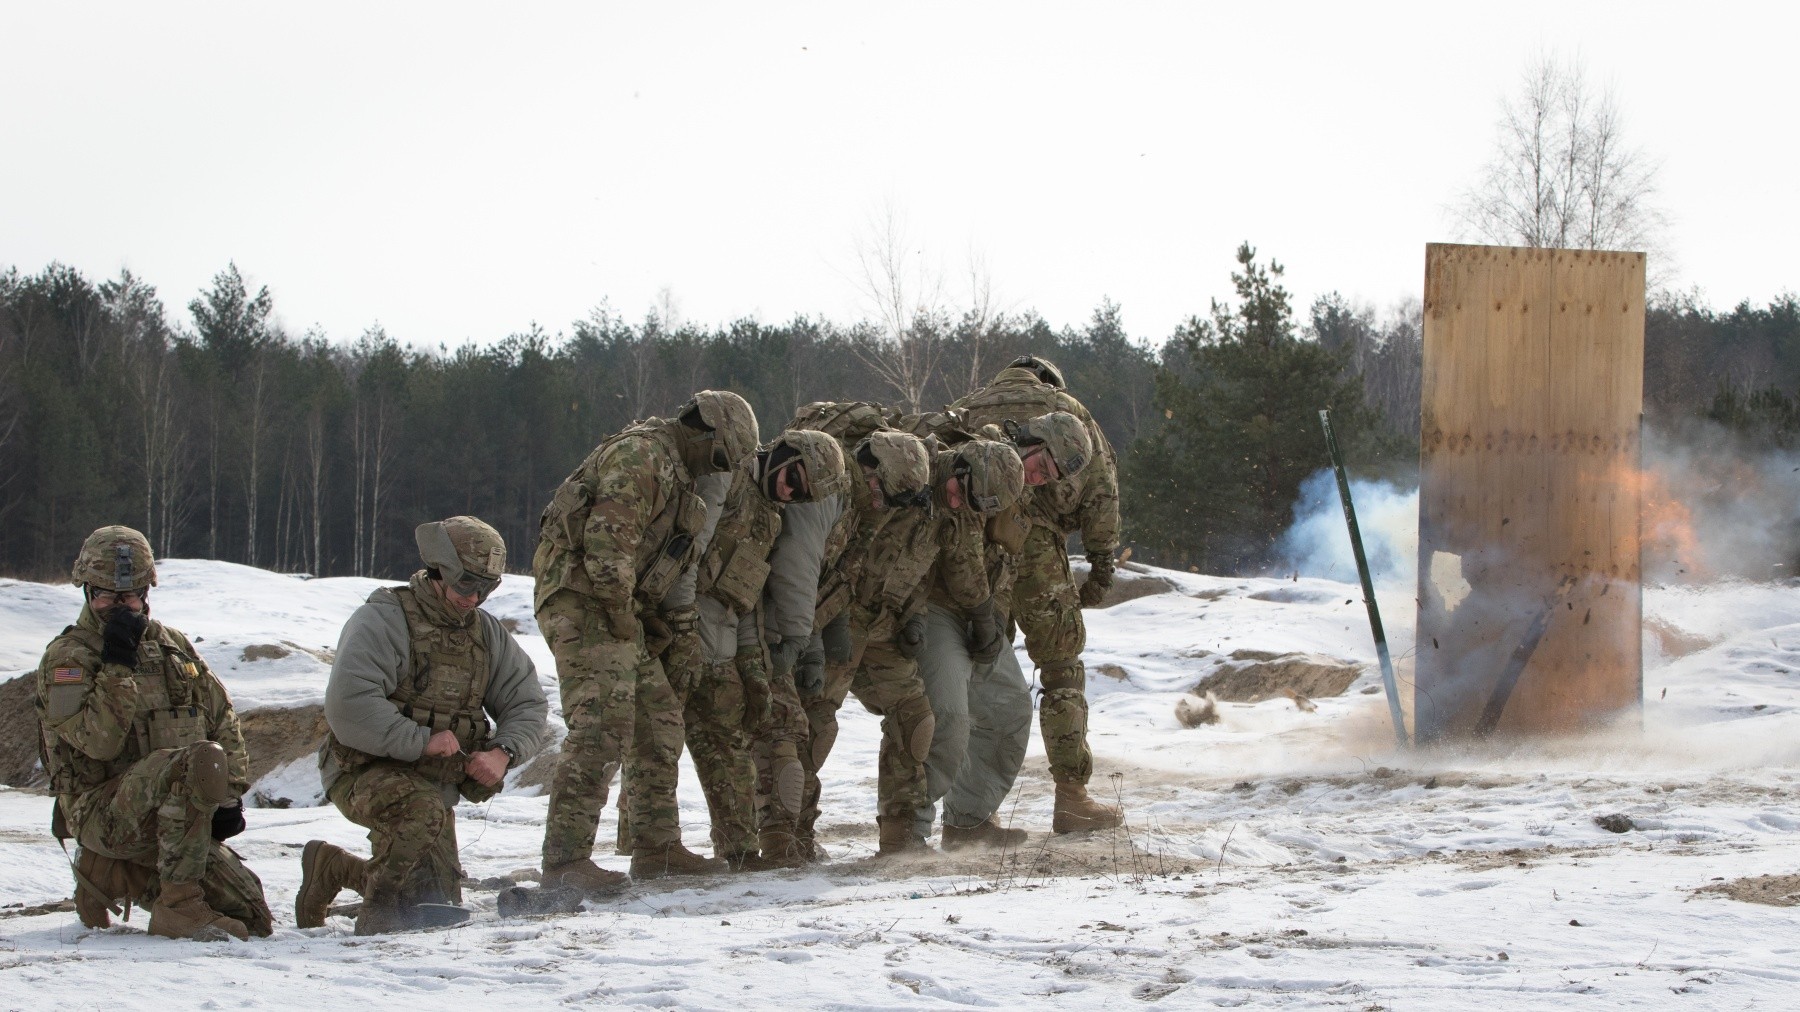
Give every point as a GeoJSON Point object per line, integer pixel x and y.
{"type": "Point", "coordinates": [1529, 473]}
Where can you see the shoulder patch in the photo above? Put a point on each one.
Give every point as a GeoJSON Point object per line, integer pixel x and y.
{"type": "Point", "coordinates": [64, 676]}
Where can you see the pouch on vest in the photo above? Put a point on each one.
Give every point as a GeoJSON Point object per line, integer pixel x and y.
{"type": "Point", "coordinates": [563, 520]}
{"type": "Point", "coordinates": [177, 727]}
{"type": "Point", "coordinates": [676, 552]}
{"type": "Point", "coordinates": [834, 597]}
{"type": "Point", "coordinates": [740, 581]}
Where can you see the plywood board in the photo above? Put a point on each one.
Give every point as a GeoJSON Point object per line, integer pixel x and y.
{"type": "Point", "coordinates": [1529, 597]}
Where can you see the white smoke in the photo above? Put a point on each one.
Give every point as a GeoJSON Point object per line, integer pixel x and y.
{"type": "Point", "coordinates": [1318, 544]}
{"type": "Point", "coordinates": [1711, 509]}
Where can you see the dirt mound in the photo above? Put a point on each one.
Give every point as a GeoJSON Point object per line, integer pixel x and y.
{"type": "Point", "coordinates": [1774, 890]}
{"type": "Point", "coordinates": [19, 734]}
{"type": "Point", "coordinates": [1676, 642]}
{"type": "Point", "coordinates": [1251, 676]}
{"type": "Point", "coordinates": [275, 736]}
{"type": "Point", "coordinates": [1131, 583]}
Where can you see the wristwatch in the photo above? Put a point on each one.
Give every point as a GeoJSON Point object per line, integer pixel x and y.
{"type": "Point", "coordinates": [511, 756]}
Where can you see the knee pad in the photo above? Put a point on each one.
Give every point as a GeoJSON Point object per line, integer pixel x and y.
{"type": "Point", "coordinates": [823, 738]}
{"type": "Point", "coordinates": [1063, 675]}
{"type": "Point", "coordinates": [208, 776]}
{"type": "Point", "coordinates": [789, 778]}
{"type": "Point", "coordinates": [913, 728]}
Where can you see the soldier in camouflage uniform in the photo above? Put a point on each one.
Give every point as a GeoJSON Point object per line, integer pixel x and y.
{"type": "Point", "coordinates": [419, 672]}
{"type": "Point", "coordinates": [817, 559]}
{"type": "Point", "coordinates": [732, 700]}
{"type": "Point", "coordinates": [613, 542]}
{"type": "Point", "coordinates": [1048, 604]}
{"type": "Point", "coordinates": [886, 621]}
{"type": "Point", "coordinates": [145, 758]}
{"type": "Point", "coordinates": [980, 697]}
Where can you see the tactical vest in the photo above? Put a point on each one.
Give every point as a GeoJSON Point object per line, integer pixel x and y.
{"type": "Point", "coordinates": [736, 564]}
{"type": "Point", "coordinates": [450, 672]}
{"type": "Point", "coordinates": [897, 560]}
{"type": "Point", "coordinates": [168, 714]}
{"type": "Point", "coordinates": [666, 548]}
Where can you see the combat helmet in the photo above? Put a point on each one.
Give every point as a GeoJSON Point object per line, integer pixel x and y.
{"type": "Point", "coordinates": [1046, 370]}
{"type": "Point", "coordinates": [991, 472]}
{"type": "Point", "coordinates": [901, 466]}
{"type": "Point", "coordinates": [731, 421]}
{"type": "Point", "coordinates": [115, 558]}
{"type": "Point", "coordinates": [819, 457]}
{"type": "Point", "coordinates": [1059, 432]}
{"type": "Point", "coordinates": [465, 553]}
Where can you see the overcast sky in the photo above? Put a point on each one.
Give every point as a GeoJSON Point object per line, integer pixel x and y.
{"type": "Point", "coordinates": [458, 172]}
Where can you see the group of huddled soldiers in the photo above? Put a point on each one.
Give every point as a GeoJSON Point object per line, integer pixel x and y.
{"type": "Point", "coordinates": [696, 589]}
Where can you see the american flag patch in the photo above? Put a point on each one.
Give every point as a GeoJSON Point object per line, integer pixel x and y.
{"type": "Point", "coordinates": [65, 675]}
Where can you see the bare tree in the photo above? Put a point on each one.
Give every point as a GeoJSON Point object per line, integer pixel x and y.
{"type": "Point", "coordinates": [907, 297]}
{"type": "Point", "coordinates": [1561, 174]}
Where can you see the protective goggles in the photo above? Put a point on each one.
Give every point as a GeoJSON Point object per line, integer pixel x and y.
{"type": "Point", "coordinates": [470, 585]}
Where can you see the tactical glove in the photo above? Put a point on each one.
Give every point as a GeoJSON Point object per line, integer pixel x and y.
{"type": "Point", "coordinates": [754, 675]}
{"type": "Point", "coordinates": [227, 821]}
{"type": "Point", "coordinates": [809, 670]}
{"type": "Point", "coordinates": [987, 633]}
{"type": "Point", "coordinates": [783, 655]}
{"type": "Point", "coordinates": [912, 637]}
{"type": "Point", "coordinates": [123, 632]}
{"type": "Point", "coordinates": [836, 635]}
{"type": "Point", "coordinates": [1099, 579]}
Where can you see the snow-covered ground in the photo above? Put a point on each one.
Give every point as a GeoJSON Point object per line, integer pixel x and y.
{"type": "Point", "coordinates": [1278, 858]}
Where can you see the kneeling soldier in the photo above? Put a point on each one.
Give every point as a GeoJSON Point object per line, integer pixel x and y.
{"type": "Point", "coordinates": [145, 758]}
{"type": "Point", "coordinates": [420, 670]}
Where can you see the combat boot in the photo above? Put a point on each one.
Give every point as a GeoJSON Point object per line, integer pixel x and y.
{"type": "Point", "coordinates": [181, 912]}
{"type": "Point", "coordinates": [780, 848]}
{"type": "Point", "coordinates": [674, 859]}
{"type": "Point", "coordinates": [586, 877]}
{"type": "Point", "coordinates": [324, 870]}
{"type": "Point", "coordinates": [118, 883]}
{"type": "Point", "coordinates": [989, 834]}
{"type": "Point", "coordinates": [898, 838]}
{"type": "Point", "coordinates": [381, 912]}
{"type": "Point", "coordinates": [1078, 813]}
{"type": "Point", "coordinates": [750, 860]}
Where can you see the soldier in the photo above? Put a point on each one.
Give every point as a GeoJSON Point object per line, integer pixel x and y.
{"type": "Point", "coordinates": [732, 701]}
{"type": "Point", "coordinates": [145, 758]}
{"type": "Point", "coordinates": [1048, 604]}
{"type": "Point", "coordinates": [885, 626]}
{"type": "Point", "coordinates": [817, 559]}
{"type": "Point", "coordinates": [614, 540]}
{"type": "Point", "coordinates": [420, 670]}
{"type": "Point", "coordinates": [978, 694]}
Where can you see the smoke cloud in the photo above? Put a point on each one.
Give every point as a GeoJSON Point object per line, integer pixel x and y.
{"type": "Point", "coordinates": [1712, 508]}
{"type": "Point", "coordinates": [1318, 544]}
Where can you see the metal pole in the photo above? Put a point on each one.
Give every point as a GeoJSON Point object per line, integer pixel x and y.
{"type": "Point", "coordinates": [1368, 584]}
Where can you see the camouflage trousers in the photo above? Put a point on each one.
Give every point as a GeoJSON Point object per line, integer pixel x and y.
{"type": "Point", "coordinates": [787, 727]}
{"type": "Point", "coordinates": [598, 678]}
{"type": "Point", "coordinates": [707, 713]}
{"type": "Point", "coordinates": [148, 818]}
{"type": "Point", "coordinates": [983, 723]}
{"type": "Point", "coordinates": [412, 832]}
{"type": "Point", "coordinates": [1047, 608]}
{"type": "Point", "coordinates": [887, 684]}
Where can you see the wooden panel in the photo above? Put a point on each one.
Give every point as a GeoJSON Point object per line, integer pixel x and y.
{"type": "Point", "coordinates": [1528, 490]}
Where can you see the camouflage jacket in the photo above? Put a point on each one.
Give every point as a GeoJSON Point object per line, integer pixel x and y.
{"type": "Point", "coordinates": [622, 527]}
{"type": "Point", "coordinates": [1087, 502]}
{"type": "Point", "coordinates": [978, 559]}
{"type": "Point", "coordinates": [97, 720]}
{"type": "Point", "coordinates": [379, 706]}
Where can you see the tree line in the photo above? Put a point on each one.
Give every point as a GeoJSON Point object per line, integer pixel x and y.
{"type": "Point", "coordinates": [221, 436]}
